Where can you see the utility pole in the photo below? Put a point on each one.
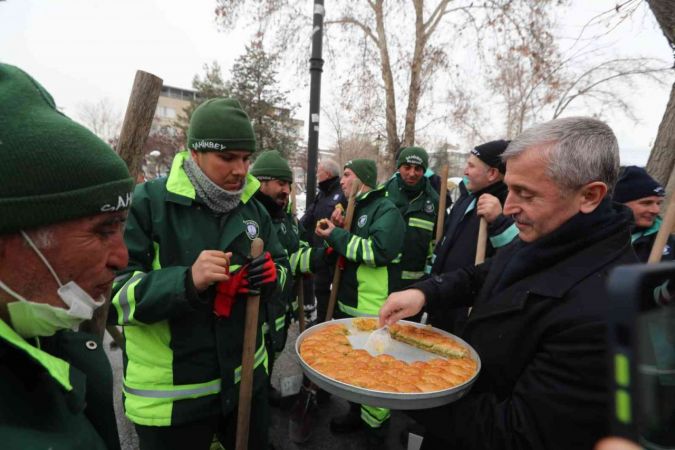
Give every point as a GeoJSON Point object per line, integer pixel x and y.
{"type": "Point", "coordinates": [315, 69]}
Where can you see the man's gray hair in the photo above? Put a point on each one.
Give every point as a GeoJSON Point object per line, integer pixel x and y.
{"type": "Point", "coordinates": [331, 167]}
{"type": "Point", "coordinates": [580, 150]}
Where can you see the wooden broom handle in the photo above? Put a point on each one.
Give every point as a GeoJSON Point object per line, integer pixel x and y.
{"type": "Point", "coordinates": [482, 241]}
{"type": "Point", "coordinates": [337, 276]}
{"type": "Point", "coordinates": [247, 359]}
{"type": "Point", "coordinates": [443, 194]}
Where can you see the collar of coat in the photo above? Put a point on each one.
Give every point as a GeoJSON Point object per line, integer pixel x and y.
{"type": "Point", "coordinates": [557, 278]}
{"type": "Point", "coordinates": [641, 232]}
{"type": "Point", "coordinates": [328, 185]}
{"type": "Point", "coordinates": [72, 380]}
{"type": "Point", "coordinates": [373, 193]}
{"type": "Point", "coordinates": [181, 190]}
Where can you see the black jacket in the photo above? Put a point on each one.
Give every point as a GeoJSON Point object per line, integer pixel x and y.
{"type": "Point", "coordinates": [329, 195]}
{"type": "Point", "coordinates": [538, 324]}
{"type": "Point", "coordinates": [460, 237]}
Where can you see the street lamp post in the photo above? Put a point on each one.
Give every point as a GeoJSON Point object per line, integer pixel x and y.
{"type": "Point", "coordinates": [315, 69]}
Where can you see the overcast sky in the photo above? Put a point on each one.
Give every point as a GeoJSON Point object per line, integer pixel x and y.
{"type": "Point", "coordinates": [85, 50]}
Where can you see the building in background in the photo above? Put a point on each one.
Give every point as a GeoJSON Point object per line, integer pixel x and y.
{"type": "Point", "coordinates": [171, 104]}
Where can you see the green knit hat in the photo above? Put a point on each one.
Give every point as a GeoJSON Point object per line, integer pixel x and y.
{"type": "Point", "coordinates": [219, 125]}
{"type": "Point", "coordinates": [271, 166]}
{"type": "Point", "coordinates": [51, 168]}
{"type": "Point", "coordinates": [413, 155]}
{"type": "Point", "coordinates": [365, 170]}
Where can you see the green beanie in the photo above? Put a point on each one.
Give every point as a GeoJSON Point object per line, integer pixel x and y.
{"type": "Point", "coordinates": [51, 168]}
{"type": "Point", "coordinates": [219, 125]}
{"type": "Point", "coordinates": [365, 170]}
{"type": "Point", "coordinates": [413, 155]}
{"type": "Point", "coordinates": [271, 166]}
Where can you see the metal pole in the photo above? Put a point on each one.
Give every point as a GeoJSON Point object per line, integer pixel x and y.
{"type": "Point", "coordinates": [315, 69]}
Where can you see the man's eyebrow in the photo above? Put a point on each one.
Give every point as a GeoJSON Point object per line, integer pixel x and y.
{"type": "Point", "coordinates": [518, 186]}
{"type": "Point", "coordinates": [112, 220]}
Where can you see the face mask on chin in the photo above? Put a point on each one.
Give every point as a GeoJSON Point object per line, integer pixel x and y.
{"type": "Point", "coordinates": [30, 319]}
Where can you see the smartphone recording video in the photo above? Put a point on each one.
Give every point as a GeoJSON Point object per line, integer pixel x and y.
{"type": "Point", "coordinates": [642, 354]}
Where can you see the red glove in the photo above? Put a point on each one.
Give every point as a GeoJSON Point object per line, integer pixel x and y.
{"type": "Point", "coordinates": [226, 291]}
{"type": "Point", "coordinates": [261, 270]}
{"type": "Point", "coordinates": [341, 262]}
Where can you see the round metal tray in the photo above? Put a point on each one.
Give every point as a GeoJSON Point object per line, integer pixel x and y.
{"type": "Point", "coordinates": [399, 350]}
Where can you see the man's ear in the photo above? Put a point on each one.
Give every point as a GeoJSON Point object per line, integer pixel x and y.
{"type": "Point", "coordinates": [493, 174]}
{"type": "Point", "coordinates": [591, 196]}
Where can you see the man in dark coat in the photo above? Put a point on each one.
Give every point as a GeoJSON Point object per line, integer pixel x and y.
{"type": "Point", "coordinates": [483, 177]}
{"type": "Point", "coordinates": [482, 195]}
{"type": "Point", "coordinates": [644, 196]}
{"type": "Point", "coordinates": [329, 195]}
{"type": "Point", "coordinates": [540, 305]}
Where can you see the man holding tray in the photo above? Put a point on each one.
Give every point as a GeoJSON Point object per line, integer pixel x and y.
{"type": "Point", "coordinates": [540, 305]}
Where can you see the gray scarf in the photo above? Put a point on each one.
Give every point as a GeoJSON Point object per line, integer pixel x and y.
{"type": "Point", "coordinates": [216, 198]}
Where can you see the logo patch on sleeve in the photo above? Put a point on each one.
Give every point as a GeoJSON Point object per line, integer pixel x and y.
{"type": "Point", "coordinates": [362, 220]}
{"type": "Point", "coordinates": [251, 229]}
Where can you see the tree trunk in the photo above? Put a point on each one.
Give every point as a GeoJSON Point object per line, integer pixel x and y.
{"type": "Point", "coordinates": [662, 157]}
{"type": "Point", "coordinates": [415, 76]}
{"type": "Point", "coordinates": [664, 11]}
{"type": "Point", "coordinates": [389, 89]}
{"type": "Point", "coordinates": [138, 119]}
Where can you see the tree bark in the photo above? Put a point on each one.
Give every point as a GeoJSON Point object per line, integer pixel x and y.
{"type": "Point", "coordinates": [415, 76]}
{"type": "Point", "coordinates": [664, 11]}
{"type": "Point", "coordinates": [138, 119]}
{"type": "Point", "coordinates": [390, 93]}
{"type": "Point", "coordinates": [662, 157]}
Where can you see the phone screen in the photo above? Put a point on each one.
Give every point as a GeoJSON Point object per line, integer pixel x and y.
{"type": "Point", "coordinates": [655, 370]}
{"type": "Point", "coordinates": [642, 340]}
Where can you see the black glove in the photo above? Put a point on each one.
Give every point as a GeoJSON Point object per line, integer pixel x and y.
{"type": "Point", "coordinates": [261, 271]}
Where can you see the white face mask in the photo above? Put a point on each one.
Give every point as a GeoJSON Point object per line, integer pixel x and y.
{"type": "Point", "coordinates": [30, 319]}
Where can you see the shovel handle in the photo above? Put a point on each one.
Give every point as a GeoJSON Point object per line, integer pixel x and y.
{"type": "Point", "coordinates": [443, 195]}
{"type": "Point", "coordinates": [247, 357]}
{"type": "Point", "coordinates": [337, 276]}
{"type": "Point", "coordinates": [482, 241]}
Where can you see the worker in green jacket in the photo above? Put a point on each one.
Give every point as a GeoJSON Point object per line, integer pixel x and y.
{"type": "Point", "coordinates": [276, 177]}
{"type": "Point", "coordinates": [182, 298]}
{"type": "Point", "coordinates": [64, 196]}
{"type": "Point", "coordinates": [417, 201]}
{"type": "Point", "coordinates": [369, 255]}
